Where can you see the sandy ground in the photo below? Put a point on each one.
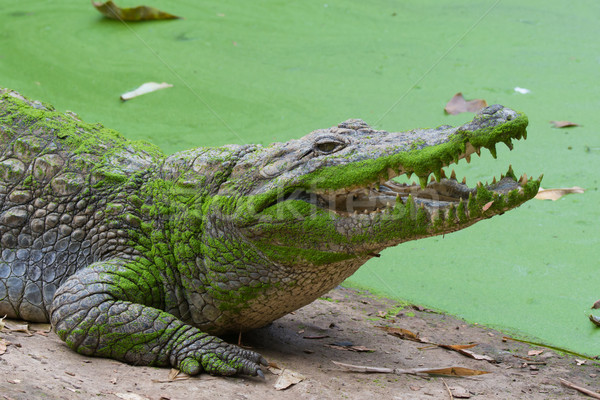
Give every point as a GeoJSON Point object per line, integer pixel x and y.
{"type": "Point", "coordinates": [40, 366]}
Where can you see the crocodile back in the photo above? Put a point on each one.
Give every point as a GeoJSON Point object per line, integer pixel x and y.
{"type": "Point", "coordinates": [59, 177]}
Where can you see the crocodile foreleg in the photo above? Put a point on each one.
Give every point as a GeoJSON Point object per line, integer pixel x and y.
{"type": "Point", "coordinates": [109, 310]}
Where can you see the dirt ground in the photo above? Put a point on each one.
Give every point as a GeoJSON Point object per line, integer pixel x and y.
{"type": "Point", "coordinates": [40, 366]}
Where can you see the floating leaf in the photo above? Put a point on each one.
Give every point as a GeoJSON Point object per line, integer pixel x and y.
{"type": "Point", "coordinates": [140, 13]}
{"type": "Point", "coordinates": [458, 104]}
{"type": "Point", "coordinates": [595, 307]}
{"type": "Point", "coordinates": [555, 194]}
{"type": "Point", "coordinates": [563, 124]}
{"type": "Point", "coordinates": [522, 90]}
{"type": "Point", "coordinates": [288, 378]}
{"type": "Point", "coordinates": [145, 88]}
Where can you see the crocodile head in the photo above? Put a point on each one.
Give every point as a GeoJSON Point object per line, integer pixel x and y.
{"type": "Point", "coordinates": [331, 195]}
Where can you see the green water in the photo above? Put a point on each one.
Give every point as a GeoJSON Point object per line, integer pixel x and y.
{"type": "Point", "coordinates": [266, 71]}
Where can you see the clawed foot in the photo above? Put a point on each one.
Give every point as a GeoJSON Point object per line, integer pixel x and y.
{"type": "Point", "coordinates": [223, 359]}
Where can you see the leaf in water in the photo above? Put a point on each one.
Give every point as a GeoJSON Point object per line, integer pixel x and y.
{"type": "Point", "coordinates": [595, 307]}
{"type": "Point", "coordinates": [140, 13]}
{"type": "Point", "coordinates": [147, 87]}
{"type": "Point", "coordinates": [522, 90]}
{"type": "Point", "coordinates": [458, 105]}
{"type": "Point", "coordinates": [563, 124]}
{"type": "Point", "coordinates": [595, 320]}
{"type": "Point", "coordinates": [555, 194]}
{"type": "Point", "coordinates": [287, 379]}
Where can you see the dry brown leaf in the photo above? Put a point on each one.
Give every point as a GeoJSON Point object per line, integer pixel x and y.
{"type": "Point", "coordinates": [17, 326]}
{"type": "Point", "coordinates": [595, 307]}
{"type": "Point", "coordinates": [534, 352]}
{"type": "Point", "coordinates": [460, 392]}
{"type": "Point", "coordinates": [447, 371]}
{"type": "Point", "coordinates": [462, 349]}
{"type": "Point", "coordinates": [40, 327]}
{"type": "Point", "coordinates": [563, 124]}
{"type": "Point", "coordinates": [402, 333]}
{"type": "Point", "coordinates": [173, 374]}
{"type": "Point", "coordinates": [288, 378]}
{"type": "Point", "coordinates": [487, 205]}
{"type": "Point", "coordinates": [141, 13]}
{"type": "Point", "coordinates": [2, 322]}
{"type": "Point", "coordinates": [579, 388]}
{"type": "Point", "coordinates": [3, 345]}
{"type": "Point", "coordinates": [130, 396]}
{"type": "Point", "coordinates": [145, 88]}
{"type": "Point", "coordinates": [458, 104]}
{"type": "Point", "coordinates": [555, 194]}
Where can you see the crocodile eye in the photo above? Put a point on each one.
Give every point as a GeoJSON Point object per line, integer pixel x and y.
{"type": "Point", "coordinates": [328, 146]}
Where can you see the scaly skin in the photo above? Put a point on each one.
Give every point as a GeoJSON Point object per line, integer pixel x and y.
{"type": "Point", "coordinates": [142, 258]}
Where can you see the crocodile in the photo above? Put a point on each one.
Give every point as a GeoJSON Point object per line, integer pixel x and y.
{"type": "Point", "coordinates": [146, 258]}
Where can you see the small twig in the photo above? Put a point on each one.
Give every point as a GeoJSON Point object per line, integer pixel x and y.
{"type": "Point", "coordinates": [448, 389]}
{"type": "Point", "coordinates": [240, 339]}
{"type": "Point", "coordinates": [579, 388]}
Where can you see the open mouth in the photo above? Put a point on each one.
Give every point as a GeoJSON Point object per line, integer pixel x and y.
{"type": "Point", "coordinates": [440, 194]}
{"type": "Point", "coordinates": [435, 195]}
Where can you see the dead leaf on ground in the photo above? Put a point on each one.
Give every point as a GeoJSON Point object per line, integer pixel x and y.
{"type": "Point", "coordinates": [288, 378]}
{"type": "Point", "coordinates": [459, 392]}
{"type": "Point", "coordinates": [563, 124]}
{"type": "Point", "coordinates": [446, 371]}
{"type": "Point", "coordinates": [315, 337]}
{"type": "Point", "coordinates": [555, 194]}
{"type": "Point", "coordinates": [535, 352]}
{"type": "Point", "coordinates": [2, 322]}
{"type": "Point", "coordinates": [580, 362]}
{"type": "Point", "coordinates": [402, 334]}
{"type": "Point", "coordinates": [145, 88]}
{"type": "Point", "coordinates": [3, 345]}
{"type": "Point", "coordinates": [173, 374]}
{"type": "Point", "coordinates": [17, 326]}
{"type": "Point", "coordinates": [460, 348]}
{"type": "Point", "coordinates": [581, 389]}
{"type": "Point", "coordinates": [358, 349]}
{"type": "Point", "coordinates": [130, 396]}
{"type": "Point", "coordinates": [141, 13]}
{"type": "Point", "coordinates": [458, 104]}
